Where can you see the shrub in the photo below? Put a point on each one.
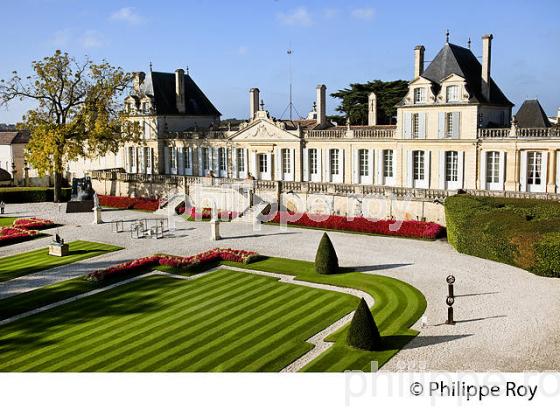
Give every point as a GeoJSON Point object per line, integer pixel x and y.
{"type": "Point", "coordinates": [363, 333]}
{"type": "Point", "coordinates": [519, 232]}
{"type": "Point", "coordinates": [411, 229]}
{"type": "Point", "coordinates": [326, 261]}
{"type": "Point", "coordinates": [18, 195]}
{"type": "Point", "coordinates": [125, 202]}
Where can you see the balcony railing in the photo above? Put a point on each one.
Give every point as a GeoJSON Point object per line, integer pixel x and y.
{"type": "Point", "coordinates": [196, 135]}
{"type": "Point", "coordinates": [374, 133]}
{"type": "Point", "coordinates": [325, 134]}
{"type": "Point", "coordinates": [489, 133]}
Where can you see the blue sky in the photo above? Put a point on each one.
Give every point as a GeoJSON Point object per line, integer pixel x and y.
{"type": "Point", "coordinates": [231, 46]}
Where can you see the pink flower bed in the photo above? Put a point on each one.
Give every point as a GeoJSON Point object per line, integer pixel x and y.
{"type": "Point", "coordinates": [12, 235]}
{"type": "Point", "coordinates": [206, 214]}
{"type": "Point", "coordinates": [125, 202]}
{"type": "Point", "coordinates": [33, 223]}
{"type": "Point", "coordinates": [410, 229]}
{"type": "Point", "coordinates": [183, 262]}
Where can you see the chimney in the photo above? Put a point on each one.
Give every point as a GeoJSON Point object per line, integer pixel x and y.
{"type": "Point", "coordinates": [138, 81]}
{"type": "Point", "coordinates": [254, 98]}
{"type": "Point", "coordinates": [486, 58]}
{"type": "Point", "coordinates": [321, 104]}
{"type": "Point", "coordinates": [372, 109]}
{"type": "Point", "coordinates": [180, 90]}
{"type": "Point", "coordinates": [418, 61]}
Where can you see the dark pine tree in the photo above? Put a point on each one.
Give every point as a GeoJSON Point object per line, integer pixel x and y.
{"type": "Point", "coordinates": [326, 261]}
{"type": "Point", "coordinates": [363, 333]}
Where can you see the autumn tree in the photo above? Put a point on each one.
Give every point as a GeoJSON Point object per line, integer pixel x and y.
{"type": "Point", "coordinates": [354, 101]}
{"type": "Point", "coordinates": [76, 112]}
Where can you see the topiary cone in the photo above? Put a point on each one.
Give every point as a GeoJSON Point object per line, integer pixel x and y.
{"type": "Point", "coordinates": [326, 261]}
{"type": "Point", "coordinates": [363, 333]}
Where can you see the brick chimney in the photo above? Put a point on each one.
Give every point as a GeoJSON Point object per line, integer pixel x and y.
{"type": "Point", "coordinates": [321, 104]}
{"type": "Point", "coordinates": [372, 109]}
{"type": "Point", "coordinates": [254, 98]}
{"type": "Point", "coordinates": [180, 90]}
{"type": "Point", "coordinates": [486, 59]}
{"type": "Point", "coordinates": [418, 61]}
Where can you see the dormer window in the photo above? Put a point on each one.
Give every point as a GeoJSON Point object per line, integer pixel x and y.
{"type": "Point", "coordinates": [419, 95]}
{"type": "Point", "coordinates": [452, 93]}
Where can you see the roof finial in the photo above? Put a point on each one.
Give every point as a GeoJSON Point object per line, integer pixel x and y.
{"type": "Point", "coordinates": [150, 66]}
{"type": "Point", "coordinates": [447, 36]}
{"type": "Point", "coordinates": [469, 43]}
{"type": "Point", "coordinates": [262, 105]}
{"type": "Point", "coordinates": [187, 70]}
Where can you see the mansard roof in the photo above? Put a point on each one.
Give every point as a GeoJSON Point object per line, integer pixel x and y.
{"type": "Point", "coordinates": [453, 59]}
{"type": "Point", "coordinates": [161, 86]}
{"type": "Point", "coordinates": [532, 115]}
{"type": "Point", "coordinates": [14, 137]}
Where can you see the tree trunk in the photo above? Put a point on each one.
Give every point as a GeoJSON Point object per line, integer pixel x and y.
{"type": "Point", "coordinates": [57, 186]}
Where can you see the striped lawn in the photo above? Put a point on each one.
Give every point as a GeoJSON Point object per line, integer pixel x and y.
{"type": "Point", "coordinates": [29, 262]}
{"type": "Point", "coordinates": [224, 321]}
{"type": "Point", "coordinates": [6, 221]}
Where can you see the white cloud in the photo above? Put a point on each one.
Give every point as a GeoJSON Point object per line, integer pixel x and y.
{"type": "Point", "coordinates": [296, 17]}
{"type": "Point", "coordinates": [365, 13]}
{"type": "Point", "coordinates": [242, 50]}
{"type": "Point", "coordinates": [91, 39]}
{"type": "Point", "coordinates": [330, 13]}
{"type": "Point", "coordinates": [128, 15]}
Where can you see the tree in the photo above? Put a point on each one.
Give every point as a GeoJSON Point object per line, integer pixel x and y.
{"type": "Point", "coordinates": [326, 261]}
{"type": "Point", "coordinates": [363, 333]}
{"type": "Point", "coordinates": [354, 102]}
{"type": "Point", "coordinates": [76, 114]}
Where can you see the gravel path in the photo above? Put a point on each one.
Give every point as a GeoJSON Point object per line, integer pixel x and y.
{"type": "Point", "coordinates": [507, 319]}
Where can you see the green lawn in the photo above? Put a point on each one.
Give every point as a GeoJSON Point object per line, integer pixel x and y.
{"type": "Point", "coordinates": [29, 262]}
{"type": "Point", "coordinates": [225, 321]}
{"type": "Point", "coordinates": [6, 221]}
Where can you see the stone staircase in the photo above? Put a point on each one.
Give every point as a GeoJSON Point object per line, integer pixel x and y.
{"type": "Point", "coordinates": [251, 214]}
{"type": "Point", "coordinates": [172, 202]}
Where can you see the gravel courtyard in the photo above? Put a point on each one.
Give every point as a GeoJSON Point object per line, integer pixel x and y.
{"type": "Point", "coordinates": [507, 319]}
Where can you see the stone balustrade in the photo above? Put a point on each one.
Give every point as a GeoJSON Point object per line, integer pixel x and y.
{"type": "Point", "coordinates": [514, 132]}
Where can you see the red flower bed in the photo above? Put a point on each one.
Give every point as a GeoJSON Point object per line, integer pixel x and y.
{"type": "Point", "coordinates": [206, 215]}
{"type": "Point", "coordinates": [12, 235]}
{"type": "Point", "coordinates": [410, 229]}
{"type": "Point", "coordinates": [184, 262]}
{"type": "Point", "coordinates": [125, 202]}
{"type": "Point", "coordinates": [33, 223]}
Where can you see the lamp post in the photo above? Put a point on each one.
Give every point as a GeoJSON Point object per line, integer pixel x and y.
{"type": "Point", "coordinates": [450, 300]}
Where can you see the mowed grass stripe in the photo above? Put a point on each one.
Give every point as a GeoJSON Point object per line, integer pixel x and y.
{"type": "Point", "coordinates": [123, 339]}
{"type": "Point", "coordinates": [34, 261]}
{"type": "Point", "coordinates": [90, 329]}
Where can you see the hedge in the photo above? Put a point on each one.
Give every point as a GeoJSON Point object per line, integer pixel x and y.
{"type": "Point", "coordinates": [18, 195]}
{"type": "Point", "coordinates": [520, 232]}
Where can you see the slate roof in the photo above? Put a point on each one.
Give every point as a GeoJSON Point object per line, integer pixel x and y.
{"type": "Point", "coordinates": [453, 59]}
{"type": "Point", "coordinates": [14, 137]}
{"type": "Point", "coordinates": [532, 115]}
{"type": "Point", "coordinates": [5, 175]}
{"type": "Point", "coordinates": [162, 87]}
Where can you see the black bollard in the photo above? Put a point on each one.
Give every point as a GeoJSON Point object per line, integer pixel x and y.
{"type": "Point", "coordinates": [450, 300]}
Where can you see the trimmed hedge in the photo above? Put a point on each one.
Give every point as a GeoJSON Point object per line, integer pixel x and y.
{"type": "Point", "coordinates": [18, 195]}
{"type": "Point", "coordinates": [363, 332]}
{"type": "Point", "coordinates": [520, 232]}
{"type": "Point", "coordinates": [326, 261]}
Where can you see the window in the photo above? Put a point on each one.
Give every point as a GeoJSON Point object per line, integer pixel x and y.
{"type": "Point", "coordinates": [363, 158]}
{"type": "Point", "coordinates": [286, 162]}
{"type": "Point", "coordinates": [388, 163]}
{"type": "Point", "coordinates": [132, 156]}
{"type": "Point", "coordinates": [240, 160]}
{"type": "Point", "coordinates": [205, 158]}
{"type": "Point", "coordinates": [173, 157]}
{"type": "Point", "coordinates": [222, 159]}
{"type": "Point", "coordinates": [148, 156]}
{"type": "Point", "coordinates": [419, 95]}
{"type": "Point", "coordinates": [263, 164]}
{"type": "Point", "coordinates": [451, 166]}
{"type": "Point", "coordinates": [449, 124]}
{"type": "Point", "coordinates": [493, 167]}
{"type": "Point", "coordinates": [452, 93]}
{"type": "Point", "coordinates": [187, 157]}
{"type": "Point", "coordinates": [418, 165]}
{"type": "Point", "coordinates": [334, 162]}
{"type": "Point", "coordinates": [313, 165]}
{"type": "Point", "coordinates": [534, 164]}
{"type": "Point", "coordinates": [140, 153]}
{"type": "Point", "coordinates": [415, 125]}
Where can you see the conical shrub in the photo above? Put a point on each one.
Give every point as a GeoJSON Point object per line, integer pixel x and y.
{"type": "Point", "coordinates": [363, 333]}
{"type": "Point", "coordinates": [326, 261]}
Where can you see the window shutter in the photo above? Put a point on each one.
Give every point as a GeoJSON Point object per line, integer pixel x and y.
{"type": "Point", "coordinates": [341, 166]}
{"type": "Point", "coordinates": [407, 125]}
{"type": "Point", "coordinates": [166, 160]}
{"type": "Point", "coordinates": [502, 170]}
{"type": "Point", "coordinates": [234, 170]}
{"type": "Point", "coordinates": [557, 171]}
{"type": "Point", "coordinates": [320, 166]}
{"type": "Point", "coordinates": [216, 161]}
{"type": "Point", "coordinates": [410, 170]}
{"type": "Point", "coordinates": [441, 125]}
{"type": "Point", "coordinates": [305, 176]}
{"type": "Point", "coordinates": [355, 166]}
{"type": "Point", "coordinates": [455, 119]}
{"type": "Point", "coordinates": [461, 169]}
{"type": "Point", "coordinates": [327, 168]}
{"type": "Point", "coordinates": [427, 167]}
{"type": "Point", "coordinates": [152, 161]}
{"type": "Point", "coordinates": [442, 170]}
{"type": "Point", "coordinates": [394, 153]}
{"type": "Point", "coordinates": [278, 164]}
{"type": "Point", "coordinates": [181, 162]}
{"type": "Point", "coordinates": [379, 168]}
{"type": "Point", "coordinates": [523, 172]}
{"type": "Point", "coordinates": [200, 164]}
{"type": "Point", "coordinates": [293, 164]}
{"type": "Point", "coordinates": [371, 165]}
{"type": "Point", "coordinates": [544, 170]}
{"type": "Point", "coordinates": [422, 125]}
{"type": "Point", "coordinates": [246, 161]}
{"type": "Point", "coordinates": [483, 159]}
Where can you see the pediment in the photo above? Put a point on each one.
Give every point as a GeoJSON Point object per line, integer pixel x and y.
{"type": "Point", "coordinates": [264, 131]}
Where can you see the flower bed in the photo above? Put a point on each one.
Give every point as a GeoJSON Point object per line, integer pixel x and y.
{"type": "Point", "coordinates": [182, 262]}
{"type": "Point", "coordinates": [124, 202]}
{"type": "Point", "coordinates": [13, 235]}
{"type": "Point", "coordinates": [409, 229]}
{"type": "Point", "coordinates": [33, 223]}
{"type": "Point", "coordinates": [206, 215]}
